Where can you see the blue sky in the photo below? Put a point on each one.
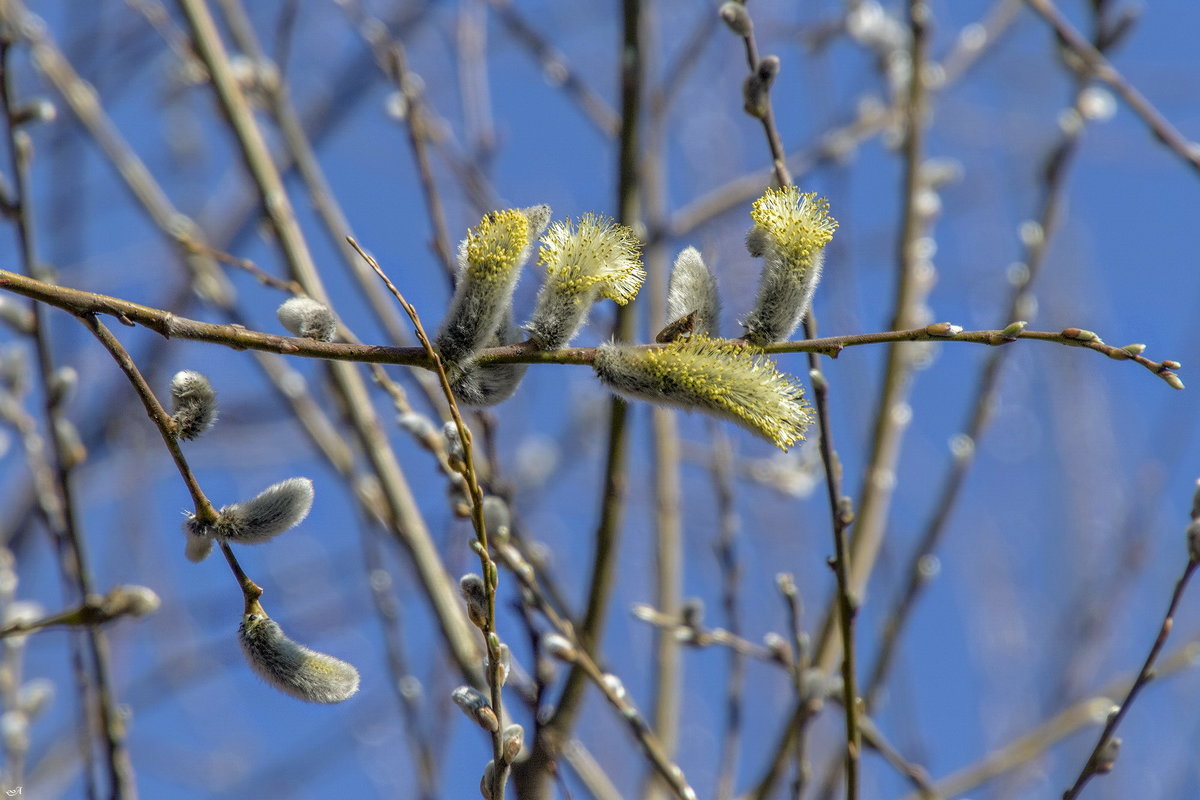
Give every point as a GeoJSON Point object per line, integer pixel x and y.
{"type": "Point", "coordinates": [1076, 505]}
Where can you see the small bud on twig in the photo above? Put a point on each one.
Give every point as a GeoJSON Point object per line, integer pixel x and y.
{"type": "Point", "coordinates": [511, 742]}
{"type": "Point", "coordinates": [476, 706]}
{"type": "Point", "coordinates": [737, 18]}
{"type": "Point", "coordinates": [559, 647]}
{"type": "Point", "coordinates": [475, 594]}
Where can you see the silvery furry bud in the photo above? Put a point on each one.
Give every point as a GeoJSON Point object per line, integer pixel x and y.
{"type": "Point", "coordinates": [693, 289]}
{"type": "Point", "coordinates": [476, 706]}
{"type": "Point", "coordinates": [70, 443]}
{"type": "Point", "coordinates": [1193, 540]}
{"type": "Point", "coordinates": [291, 667]}
{"type": "Point", "coordinates": [36, 110]}
{"type": "Point", "coordinates": [488, 384]}
{"type": "Point", "coordinates": [193, 404]}
{"type": "Point", "coordinates": [199, 541]}
{"type": "Point", "coordinates": [259, 519]}
{"type": "Point", "coordinates": [266, 515]}
{"type": "Point", "coordinates": [62, 386]}
{"type": "Point", "coordinates": [583, 263]}
{"type": "Point", "coordinates": [791, 229]}
{"type": "Point", "coordinates": [308, 319]}
{"type": "Point", "coordinates": [35, 696]}
{"type": "Point", "coordinates": [717, 377]}
{"type": "Point", "coordinates": [485, 781]}
{"type": "Point", "coordinates": [505, 664]}
{"type": "Point", "coordinates": [559, 647]}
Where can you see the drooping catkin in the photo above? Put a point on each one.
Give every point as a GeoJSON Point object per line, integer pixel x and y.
{"type": "Point", "coordinates": [293, 668]}
{"type": "Point", "coordinates": [791, 229]}
{"type": "Point", "coordinates": [489, 264]}
{"type": "Point", "coordinates": [307, 318]}
{"type": "Point", "coordinates": [714, 376]}
{"type": "Point", "coordinates": [193, 404]}
{"type": "Point", "coordinates": [583, 262]}
{"type": "Point", "coordinates": [693, 288]}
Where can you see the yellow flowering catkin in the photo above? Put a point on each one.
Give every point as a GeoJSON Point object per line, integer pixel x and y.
{"type": "Point", "coordinates": [714, 376]}
{"type": "Point", "coordinates": [583, 263]}
{"type": "Point", "coordinates": [489, 263]}
{"type": "Point", "coordinates": [791, 229]}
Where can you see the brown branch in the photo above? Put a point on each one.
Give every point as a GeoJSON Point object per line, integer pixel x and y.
{"type": "Point", "coordinates": [78, 302]}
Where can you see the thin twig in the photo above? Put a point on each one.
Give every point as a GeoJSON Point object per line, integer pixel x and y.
{"type": "Point", "coordinates": [531, 774]}
{"type": "Point", "coordinates": [237, 337]}
{"type": "Point", "coordinates": [486, 565]}
{"type": "Point", "coordinates": [65, 529]}
{"type": "Point", "coordinates": [840, 506]}
{"type": "Point", "coordinates": [406, 519]}
{"type": "Point", "coordinates": [1021, 300]}
{"type": "Point", "coordinates": [1102, 756]}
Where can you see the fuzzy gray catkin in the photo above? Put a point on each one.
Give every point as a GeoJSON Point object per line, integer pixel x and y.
{"type": "Point", "coordinates": [693, 288]}
{"type": "Point", "coordinates": [193, 404]}
{"type": "Point", "coordinates": [790, 232]}
{"type": "Point", "coordinates": [259, 519]}
{"type": "Point", "coordinates": [307, 318]}
{"type": "Point", "coordinates": [488, 384]}
{"type": "Point", "coordinates": [292, 668]}
{"type": "Point", "coordinates": [268, 514]}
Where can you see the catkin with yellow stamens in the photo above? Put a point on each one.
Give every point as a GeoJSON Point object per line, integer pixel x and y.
{"type": "Point", "coordinates": [583, 263]}
{"type": "Point", "coordinates": [489, 263]}
{"type": "Point", "coordinates": [791, 229]}
{"type": "Point", "coordinates": [714, 376]}
{"type": "Point", "coordinates": [292, 668]}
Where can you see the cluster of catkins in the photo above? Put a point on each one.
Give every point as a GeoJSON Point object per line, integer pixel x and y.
{"type": "Point", "coordinates": [597, 259]}
{"type": "Point", "coordinates": [288, 666]}
{"type": "Point", "coordinates": [584, 262]}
